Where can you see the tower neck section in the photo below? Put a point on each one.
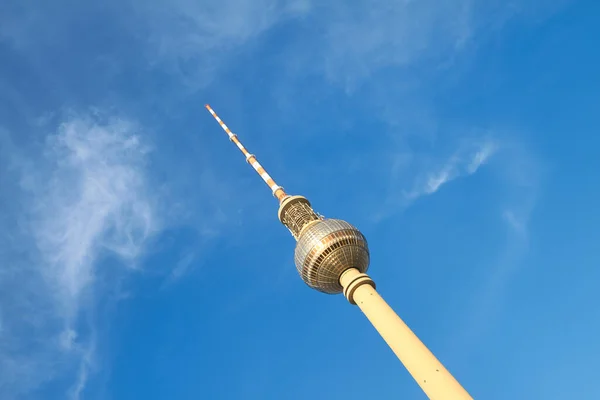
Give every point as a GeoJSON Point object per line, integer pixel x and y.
{"type": "Point", "coordinates": [296, 213]}
{"type": "Point", "coordinates": [277, 190]}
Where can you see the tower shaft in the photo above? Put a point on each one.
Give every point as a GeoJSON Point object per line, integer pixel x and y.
{"type": "Point", "coordinates": [251, 159]}
{"type": "Point", "coordinates": [429, 373]}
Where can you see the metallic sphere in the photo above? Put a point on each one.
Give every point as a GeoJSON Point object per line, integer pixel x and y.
{"type": "Point", "coordinates": [325, 249]}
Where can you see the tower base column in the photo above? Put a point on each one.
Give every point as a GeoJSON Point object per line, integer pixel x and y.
{"type": "Point", "coordinates": [425, 368]}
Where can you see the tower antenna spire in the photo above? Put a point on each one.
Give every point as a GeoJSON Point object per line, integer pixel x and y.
{"type": "Point", "coordinates": [277, 190]}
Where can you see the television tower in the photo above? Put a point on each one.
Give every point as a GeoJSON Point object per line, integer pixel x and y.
{"type": "Point", "coordinates": [332, 256]}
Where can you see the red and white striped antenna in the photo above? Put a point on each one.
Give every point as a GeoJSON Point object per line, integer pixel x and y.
{"type": "Point", "coordinates": [251, 159]}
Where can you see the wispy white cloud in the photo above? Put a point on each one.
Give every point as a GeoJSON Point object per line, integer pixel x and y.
{"type": "Point", "coordinates": [481, 156]}
{"type": "Point", "coordinates": [363, 37]}
{"type": "Point", "coordinates": [435, 180]}
{"type": "Point", "coordinates": [194, 38]}
{"type": "Point", "coordinates": [462, 163]}
{"type": "Point", "coordinates": [88, 197]}
{"type": "Point", "coordinates": [85, 354]}
{"type": "Point", "coordinates": [95, 199]}
{"type": "Point", "coordinates": [345, 42]}
{"type": "Point", "coordinates": [424, 174]}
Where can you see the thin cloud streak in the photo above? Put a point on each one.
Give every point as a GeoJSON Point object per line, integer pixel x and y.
{"type": "Point", "coordinates": [427, 175]}
{"type": "Point", "coordinates": [454, 167]}
{"type": "Point", "coordinates": [481, 157]}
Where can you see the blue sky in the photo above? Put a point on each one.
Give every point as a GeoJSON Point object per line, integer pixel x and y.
{"type": "Point", "coordinates": [140, 257]}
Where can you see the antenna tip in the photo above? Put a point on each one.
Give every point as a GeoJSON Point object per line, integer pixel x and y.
{"type": "Point", "coordinates": [207, 106]}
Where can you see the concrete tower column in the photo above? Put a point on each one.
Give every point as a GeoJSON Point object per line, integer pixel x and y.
{"type": "Point", "coordinates": [425, 368]}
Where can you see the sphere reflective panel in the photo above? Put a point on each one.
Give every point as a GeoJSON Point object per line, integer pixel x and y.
{"type": "Point", "coordinates": [327, 248]}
